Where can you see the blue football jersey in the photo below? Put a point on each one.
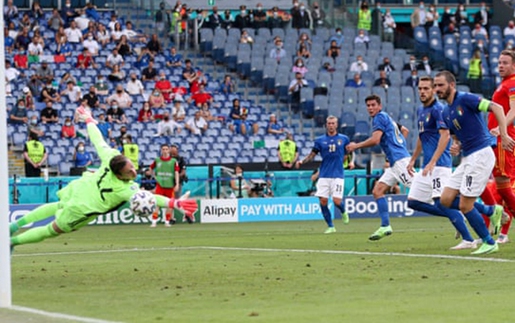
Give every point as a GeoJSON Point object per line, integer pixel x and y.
{"type": "Point", "coordinates": [332, 149]}
{"type": "Point", "coordinates": [392, 142]}
{"type": "Point", "coordinates": [465, 120]}
{"type": "Point", "coordinates": [430, 121]}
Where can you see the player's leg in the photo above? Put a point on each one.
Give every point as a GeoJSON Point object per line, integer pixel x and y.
{"type": "Point", "coordinates": [36, 234]}
{"type": "Point", "coordinates": [323, 193]}
{"type": "Point", "coordinates": [155, 216]}
{"type": "Point", "coordinates": [379, 191]}
{"type": "Point", "coordinates": [503, 236]}
{"type": "Point", "coordinates": [338, 188]}
{"type": "Point", "coordinates": [40, 213]}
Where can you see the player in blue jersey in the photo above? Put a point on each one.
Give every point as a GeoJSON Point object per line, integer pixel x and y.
{"type": "Point", "coordinates": [391, 137]}
{"type": "Point", "coordinates": [434, 142]}
{"type": "Point", "coordinates": [469, 179]}
{"type": "Point", "coordinates": [330, 183]}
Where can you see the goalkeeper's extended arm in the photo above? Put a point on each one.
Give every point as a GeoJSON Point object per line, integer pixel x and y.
{"type": "Point", "coordinates": [189, 206]}
{"type": "Point", "coordinates": [105, 153]}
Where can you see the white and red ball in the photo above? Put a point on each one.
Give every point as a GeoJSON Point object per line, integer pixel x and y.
{"type": "Point", "coordinates": [143, 203]}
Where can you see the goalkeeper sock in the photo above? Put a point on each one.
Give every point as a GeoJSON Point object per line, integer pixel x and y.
{"type": "Point", "coordinates": [327, 216]}
{"type": "Point", "coordinates": [382, 206]}
{"type": "Point", "coordinates": [34, 235]}
{"type": "Point", "coordinates": [38, 214]}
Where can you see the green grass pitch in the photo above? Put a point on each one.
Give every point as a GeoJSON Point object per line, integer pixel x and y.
{"type": "Point", "coordinates": [262, 272]}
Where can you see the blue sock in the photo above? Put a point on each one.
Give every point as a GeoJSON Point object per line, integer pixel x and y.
{"type": "Point", "coordinates": [457, 221]}
{"type": "Point", "coordinates": [327, 216]}
{"type": "Point", "coordinates": [487, 210]}
{"type": "Point", "coordinates": [382, 206]}
{"type": "Point", "coordinates": [426, 207]}
{"type": "Point", "coordinates": [340, 207]}
{"type": "Point", "coordinates": [477, 223]}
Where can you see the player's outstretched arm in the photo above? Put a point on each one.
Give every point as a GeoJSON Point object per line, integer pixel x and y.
{"type": "Point", "coordinates": [189, 206]}
{"type": "Point", "coordinates": [105, 153]}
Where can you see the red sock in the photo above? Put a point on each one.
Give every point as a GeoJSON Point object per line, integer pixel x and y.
{"type": "Point", "coordinates": [488, 197]}
{"type": "Point", "coordinates": [506, 192]}
{"type": "Point", "coordinates": [155, 215]}
{"type": "Point", "coordinates": [506, 227]}
{"type": "Point", "coordinates": [168, 216]}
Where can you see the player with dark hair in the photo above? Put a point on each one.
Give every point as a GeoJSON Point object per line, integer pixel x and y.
{"type": "Point", "coordinates": [331, 147]}
{"type": "Point", "coordinates": [94, 194]}
{"type": "Point", "coordinates": [469, 179]}
{"type": "Point", "coordinates": [391, 137]}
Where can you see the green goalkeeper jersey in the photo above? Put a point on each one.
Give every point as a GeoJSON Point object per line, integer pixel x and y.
{"type": "Point", "coordinates": [101, 191]}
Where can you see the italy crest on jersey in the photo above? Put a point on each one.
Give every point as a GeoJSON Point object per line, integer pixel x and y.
{"type": "Point", "coordinates": [339, 142]}
{"type": "Point", "coordinates": [459, 111]}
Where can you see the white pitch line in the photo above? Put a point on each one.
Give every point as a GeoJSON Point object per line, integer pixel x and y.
{"type": "Point", "coordinates": [58, 315]}
{"type": "Point", "coordinates": [341, 252]}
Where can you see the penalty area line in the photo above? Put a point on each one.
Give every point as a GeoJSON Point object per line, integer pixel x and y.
{"type": "Point", "coordinates": [58, 315]}
{"type": "Point", "coordinates": [338, 252]}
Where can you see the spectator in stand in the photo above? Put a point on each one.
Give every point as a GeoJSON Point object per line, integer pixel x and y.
{"type": "Point", "coordinates": [10, 11]}
{"type": "Point", "coordinates": [55, 20]}
{"type": "Point", "coordinates": [11, 73]}
{"type": "Point", "coordinates": [91, 44]}
{"type": "Point", "coordinates": [35, 86]}
{"type": "Point", "coordinates": [116, 75]}
{"type": "Point", "coordinates": [482, 17]}
{"type": "Point", "coordinates": [386, 66]}
{"type": "Point", "coordinates": [274, 127]}
{"type": "Point", "coordinates": [59, 34]}
{"type": "Point", "coordinates": [447, 18]}
{"type": "Point", "coordinates": [91, 11]}
{"type": "Point", "coordinates": [338, 37]}
{"type": "Point", "coordinates": [411, 65]}
{"type": "Point", "coordinates": [205, 113]}
{"type": "Point", "coordinates": [355, 82]}
{"type": "Point", "coordinates": [383, 80]}
{"type": "Point", "coordinates": [295, 87]}
{"type": "Point", "coordinates": [116, 32]}
{"type": "Point", "coordinates": [22, 40]}
{"type": "Point", "coordinates": [115, 114]}
{"type": "Point", "coordinates": [299, 67]}
{"type": "Point", "coordinates": [34, 128]}
{"type": "Point", "coordinates": [81, 157]}
{"type": "Point", "coordinates": [164, 86]}
{"type": "Point", "coordinates": [461, 16]}
{"type": "Point", "coordinates": [122, 98]}
{"type": "Point", "coordinates": [68, 13]}
{"type": "Point", "coordinates": [68, 129]}
{"type": "Point", "coordinates": [167, 126]}
{"type": "Point", "coordinates": [74, 34]}
{"type": "Point", "coordinates": [154, 45]}
{"type": "Point", "coordinates": [481, 48]}
{"type": "Point", "coordinates": [303, 52]}
{"type": "Point", "coordinates": [114, 59]}
{"type": "Point", "coordinates": [189, 73]}
{"type": "Point", "coordinates": [84, 60]}
{"type": "Point", "coordinates": [227, 86]}
{"type": "Point", "coordinates": [134, 86]}
{"type": "Point", "coordinates": [178, 111]}
{"type": "Point", "coordinates": [49, 94]}
{"type": "Point", "coordinates": [103, 126]}
{"type": "Point", "coordinates": [103, 36]}
{"type": "Point", "coordinates": [195, 85]}
{"type": "Point", "coordinates": [362, 38]}
{"type": "Point", "coordinates": [215, 20]}
{"type": "Point", "coordinates": [8, 42]}
{"type": "Point", "coordinates": [201, 97]}
{"type": "Point", "coordinates": [113, 21]}
{"type": "Point", "coordinates": [27, 98]}
{"type": "Point", "coordinates": [432, 17]}
{"type": "Point", "coordinates": [63, 47]}
{"type": "Point", "coordinates": [301, 18]}
{"type": "Point", "coordinates": [242, 125]}
{"type": "Point", "coordinates": [49, 114]}
{"type": "Point", "coordinates": [509, 31]}
{"type": "Point", "coordinates": [425, 65]}
{"type": "Point", "coordinates": [64, 80]}
{"type": "Point", "coordinates": [412, 80]}
{"type": "Point", "coordinates": [132, 35]}
{"type": "Point", "coordinates": [101, 85]}
{"type": "Point", "coordinates": [359, 65]}
{"type": "Point", "coordinates": [21, 60]}
{"type": "Point", "coordinates": [333, 51]}
{"type": "Point", "coordinates": [242, 20]}
{"type": "Point", "coordinates": [156, 99]}
{"type": "Point", "coordinates": [35, 48]}
{"type": "Point", "coordinates": [389, 27]}
{"type": "Point", "coordinates": [260, 17]}
{"type": "Point", "coordinates": [44, 73]}
{"type": "Point", "coordinates": [278, 52]}
{"type": "Point", "coordinates": [304, 40]}
{"type": "Point", "coordinates": [174, 59]}
{"type": "Point", "coordinates": [123, 46]}
{"type": "Point", "coordinates": [510, 44]}
{"type": "Point", "coordinates": [479, 31]}
{"type": "Point", "coordinates": [92, 98]}
{"type": "Point", "coordinates": [245, 37]}
{"type": "Point", "coordinates": [196, 125]}
{"type": "Point", "coordinates": [18, 114]}
{"type": "Point", "coordinates": [13, 31]}
{"type": "Point", "coordinates": [418, 16]}
{"type": "Point", "coordinates": [317, 15]}
{"type": "Point", "coordinates": [275, 21]}
{"type": "Point", "coordinates": [145, 114]}
{"type": "Point", "coordinates": [72, 91]}
{"type": "Point", "coordinates": [149, 73]}
{"type": "Point", "coordinates": [144, 58]}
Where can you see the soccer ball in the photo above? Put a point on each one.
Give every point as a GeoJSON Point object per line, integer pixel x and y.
{"type": "Point", "coordinates": [143, 203]}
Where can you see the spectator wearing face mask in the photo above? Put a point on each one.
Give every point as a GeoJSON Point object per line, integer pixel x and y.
{"type": "Point", "coordinates": [509, 31]}
{"type": "Point", "coordinates": [156, 99]}
{"type": "Point", "coordinates": [299, 67]}
{"type": "Point", "coordinates": [115, 114]}
{"type": "Point", "coordinates": [167, 126]}
{"type": "Point", "coordinates": [164, 86]}
{"type": "Point", "coordinates": [359, 65]}
{"type": "Point", "coordinates": [317, 15]}
{"type": "Point", "coordinates": [362, 38]}
{"type": "Point", "coordinates": [134, 86]}
{"type": "Point", "coordinates": [68, 129]}
{"type": "Point", "coordinates": [301, 18]}
{"type": "Point", "coordinates": [278, 52]}
{"type": "Point", "coordinates": [81, 157]}
{"type": "Point", "coordinates": [338, 37]}
{"type": "Point", "coordinates": [123, 98]}
{"type": "Point", "coordinates": [18, 114]}
{"type": "Point", "coordinates": [103, 126]}
{"type": "Point", "coordinates": [243, 20]}
{"type": "Point", "coordinates": [145, 114]}
{"type": "Point", "coordinates": [34, 128]}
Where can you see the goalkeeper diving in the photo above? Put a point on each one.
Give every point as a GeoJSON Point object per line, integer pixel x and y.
{"type": "Point", "coordinates": [94, 194]}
